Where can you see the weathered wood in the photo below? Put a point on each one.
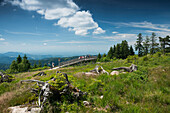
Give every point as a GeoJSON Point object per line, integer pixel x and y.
{"type": "Point", "coordinates": [99, 70]}
{"type": "Point", "coordinates": [129, 69]}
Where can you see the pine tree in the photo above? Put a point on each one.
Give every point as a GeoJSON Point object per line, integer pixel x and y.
{"type": "Point", "coordinates": [114, 50]}
{"type": "Point", "coordinates": [39, 64]}
{"type": "Point", "coordinates": [104, 55]}
{"type": "Point", "coordinates": [110, 53]}
{"type": "Point", "coordinates": [117, 51]}
{"type": "Point", "coordinates": [35, 65]}
{"type": "Point", "coordinates": [99, 56]}
{"type": "Point", "coordinates": [131, 51]}
{"type": "Point", "coordinates": [138, 45]}
{"type": "Point", "coordinates": [124, 49]}
{"type": "Point", "coordinates": [164, 42]}
{"type": "Point", "coordinates": [146, 45]}
{"type": "Point", "coordinates": [19, 59]}
{"type": "Point", "coordinates": [13, 67]}
{"type": "Point", "coordinates": [154, 44]}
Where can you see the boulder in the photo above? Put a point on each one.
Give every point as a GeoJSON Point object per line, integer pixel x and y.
{"type": "Point", "coordinates": [114, 73]}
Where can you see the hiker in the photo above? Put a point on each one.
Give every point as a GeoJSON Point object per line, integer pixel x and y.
{"type": "Point", "coordinates": [49, 65]}
{"type": "Point", "coordinates": [52, 64]}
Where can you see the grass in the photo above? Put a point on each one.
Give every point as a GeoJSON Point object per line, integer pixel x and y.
{"type": "Point", "coordinates": [146, 90]}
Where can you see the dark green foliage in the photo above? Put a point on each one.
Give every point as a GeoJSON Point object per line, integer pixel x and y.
{"type": "Point", "coordinates": [154, 44]}
{"type": "Point", "coordinates": [39, 64]}
{"type": "Point", "coordinates": [45, 64]}
{"type": "Point", "coordinates": [99, 56]}
{"type": "Point", "coordinates": [138, 45]}
{"type": "Point", "coordinates": [124, 49]}
{"type": "Point", "coordinates": [20, 66]}
{"type": "Point", "coordinates": [14, 67]}
{"type": "Point", "coordinates": [131, 51]}
{"type": "Point", "coordinates": [19, 59]}
{"type": "Point", "coordinates": [104, 55]}
{"type": "Point", "coordinates": [118, 51]}
{"type": "Point", "coordinates": [110, 53]}
{"type": "Point", "coordinates": [35, 65]}
{"type": "Point", "coordinates": [165, 44]}
{"type": "Point", "coordinates": [146, 45]}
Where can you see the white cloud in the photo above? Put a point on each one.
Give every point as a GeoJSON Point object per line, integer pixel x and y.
{"type": "Point", "coordinates": [66, 11]}
{"type": "Point", "coordinates": [114, 32]}
{"type": "Point", "coordinates": [44, 44]}
{"type": "Point", "coordinates": [120, 37]}
{"type": "Point", "coordinates": [80, 22]}
{"type": "Point", "coordinates": [2, 39]}
{"type": "Point", "coordinates": [159, 33]}
{"type": "Point", "coordinates": [148, 25]}
{"type": "Point", "coordinates": [99, 31]}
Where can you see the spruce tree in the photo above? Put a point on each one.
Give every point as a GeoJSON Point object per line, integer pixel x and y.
{"type": "Point", "coordinates": [154, 44]}
{"type": "Point", "coordinates": [164, 42]}
{"type": "Point", "coordinates": [104, 55]}
{"type": "Point", "coordinates": [35, 65]}
{"type": "Point", "coordinates": [146, 45]}
{"type": "Point", "coordinates": [131, 51]}
{"type": "Point", "coordinates": [117, 51]}
{"type": "Point", "coordinates": [124, 49]}
{"type": "Point", "coordinates": [99, 56]}
{"type": "Point", "coordinates": [19, 59]}
{"type": "Point", "coordinates": [114, 50]}
{"type": "Point", "coordinates": [14, 67]}
{"type": "Point", "coordinates": [138, 45]}
{"type": "Point", "coordinates": [110, 53]}
{"type": "Point", "coordinates": [39, 64]}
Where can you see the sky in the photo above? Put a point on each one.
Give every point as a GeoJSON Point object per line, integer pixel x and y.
{"type": "Point", "coordinates": [77, 27]}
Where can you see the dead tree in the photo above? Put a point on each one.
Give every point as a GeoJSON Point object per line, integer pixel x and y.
{"type": "Point", "coordinates": [47, 90]}
{"type": "Point", "coordinates": [99, 70]}
{"type": "Point", "coordinates": [129, 69]}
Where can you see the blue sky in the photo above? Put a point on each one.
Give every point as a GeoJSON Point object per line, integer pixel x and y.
{"type": "Point", "coordinates": [75, 27]}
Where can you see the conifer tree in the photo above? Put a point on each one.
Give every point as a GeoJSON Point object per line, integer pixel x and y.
{"type": "Point", "coordinates": [13, 67]}
{"type": "Point", "coordinates": [138, 45]}
{"type": "Point", "coordinates": [35, 65]}
{"type": "Point", "coordinates": [117, 52]}
{"type": "Point", "coordinates": [110, 53]}
{"type": "Point", "coordinates": [39, 64]}
{"type": "Point", "coordinates": [154, 44]}
{"type": "Point", "coordinates": [19, 59]}
{"type": "Point", "coordinates": [131, 51]}
{"type": "Point", "coordinates": [99, 56]}
{"type": "Point", "coordinates": [124, 49]}
{"type": "Point", "coordinates": [164, 42]}
{"type": "Point", "coordinates": [146, 45]}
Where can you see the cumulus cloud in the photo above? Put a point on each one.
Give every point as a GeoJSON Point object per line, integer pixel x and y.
{"type": "Point", "coordinates": [2, 39]}
{"type": "Point", "coordinates": [80, 22]}
{"type": "Point", "coordinates": [99, 31]}
{"type": "Point", "coordinates": [65, 11]}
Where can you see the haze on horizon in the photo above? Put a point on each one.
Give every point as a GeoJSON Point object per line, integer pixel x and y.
{"type": "Point", "coordinates": [76, 27]}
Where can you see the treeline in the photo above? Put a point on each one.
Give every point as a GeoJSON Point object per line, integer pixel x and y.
{"type": "Point", "coordinates": [144, 46]}
{"type": "Point", "coordinates": [20, 65]}
{"type": "Point", "coordinates": [150, 45]}
{"type": "Point", "coordinates": [120, 51]}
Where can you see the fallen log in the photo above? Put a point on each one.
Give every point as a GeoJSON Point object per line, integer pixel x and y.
{"type": "Point", "coordinates": [132, 68]}
{"type": "Point", "coordinates": [99, 70]}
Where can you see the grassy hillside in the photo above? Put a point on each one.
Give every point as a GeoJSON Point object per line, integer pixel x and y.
{"type": "Point", "coordinates": [145, 90]}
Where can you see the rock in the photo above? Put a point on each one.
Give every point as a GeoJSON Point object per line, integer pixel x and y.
{"type": "Point", "coordinates": [101, 97]}
{"type": "Point", "coordinates": [86, 103]}
{"type": "Point", "coordinates": [114, 73]}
